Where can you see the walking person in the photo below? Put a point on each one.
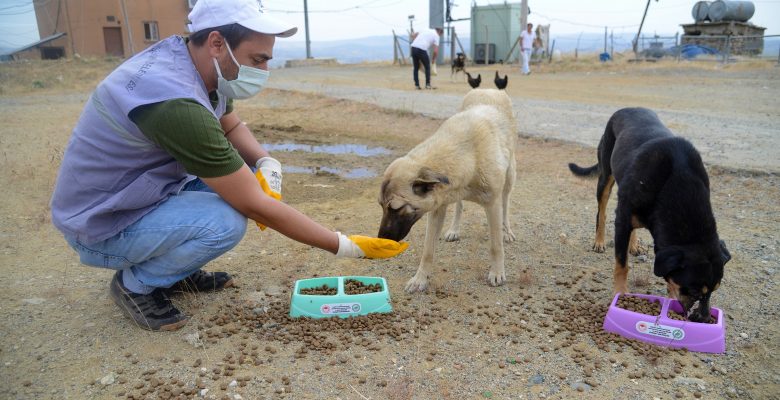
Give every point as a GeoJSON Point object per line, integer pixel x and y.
{"type": "Point", "coordinates": [160, 174]}
{"type": "Point", "coordinates": [421, 41]}
{"type": "Point", "coordinates": [527, 38]}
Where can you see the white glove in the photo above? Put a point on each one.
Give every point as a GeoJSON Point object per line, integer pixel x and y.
{"type": "Point", "coordinates": [271, 171]}
{"type": "Point", "coordinates": [348, 248]}
{"type": "Point", "coordinates": [269, 176]}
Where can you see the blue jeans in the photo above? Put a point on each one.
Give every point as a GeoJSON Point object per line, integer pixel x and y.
{"type": "Point", "coordinates": [171, 242]}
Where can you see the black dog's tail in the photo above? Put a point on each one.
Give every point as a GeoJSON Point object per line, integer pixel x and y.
{"type": "Point", "coordinates": [579, 171]}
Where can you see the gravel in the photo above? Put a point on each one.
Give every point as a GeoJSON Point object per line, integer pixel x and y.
{"type": "Point", "coordinates": [725, 135]}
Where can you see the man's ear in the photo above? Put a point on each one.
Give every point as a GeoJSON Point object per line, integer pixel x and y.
{"type": "Point", "coordinates": [427, 181]}
{"type": "Point", "coordinates": [214, 43]}
{"type": "Point", "coordinates": [668, 260]}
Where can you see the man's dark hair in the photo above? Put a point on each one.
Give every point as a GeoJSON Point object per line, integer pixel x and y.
{"type": "Point", "coordinates": [234, 34]}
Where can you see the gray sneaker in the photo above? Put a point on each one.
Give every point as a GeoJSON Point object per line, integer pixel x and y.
{"type": "Point", "coordinates": [153, 311]}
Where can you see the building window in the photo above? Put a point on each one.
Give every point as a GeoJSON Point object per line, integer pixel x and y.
{"type": "Point", "coordinates": [150, 31]}
{"type": "Point", "coordinates": [110, 18]}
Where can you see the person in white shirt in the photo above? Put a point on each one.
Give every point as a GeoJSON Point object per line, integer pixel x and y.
{"type": "Point", "coordinates": [421, 41]}
{"type": "Point", "coordinates": [527, 38]}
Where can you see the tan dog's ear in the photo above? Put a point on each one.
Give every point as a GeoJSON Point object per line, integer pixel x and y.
{"type": "Point", "coordinates": [427, 180]}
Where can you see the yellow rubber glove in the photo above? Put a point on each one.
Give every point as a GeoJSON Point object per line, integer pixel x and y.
{"type": "Point", "coordinates": [357, 246]}
{"type": "Point", "coordinates": [271, 168]}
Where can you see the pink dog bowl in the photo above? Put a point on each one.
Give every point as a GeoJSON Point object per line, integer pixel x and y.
{"type": "Point", "coordinates": [664, 331]}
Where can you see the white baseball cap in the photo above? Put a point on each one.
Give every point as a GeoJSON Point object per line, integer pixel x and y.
{"type": "Point", "coordinates": [247, 13]}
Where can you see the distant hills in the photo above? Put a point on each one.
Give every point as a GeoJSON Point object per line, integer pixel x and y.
{"type": "Point", "coordinates": [380, 48]}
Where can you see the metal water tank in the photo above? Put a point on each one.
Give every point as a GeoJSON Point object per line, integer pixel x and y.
{"type": "Point", "coordinates": [700, 11]}
{"type": "Point", "coordinates": [723, 10]}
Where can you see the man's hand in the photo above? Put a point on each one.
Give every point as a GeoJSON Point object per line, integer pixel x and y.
{"type": "Point", "coordinates": [269, 175]}
{"type": "Point", "coordinates": [357, 246]}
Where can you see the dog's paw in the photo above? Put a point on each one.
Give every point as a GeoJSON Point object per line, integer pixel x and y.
{"type": "Point", "coordinates": [637, 250]}
{"type": "Point", "coordinates": [452, 236]}
{"type": "Point", "coordinates": [599, 247]}
{"type": "Point", "coordinates": [417, 284]}
{"type": "Point", "coordinates": [496, 279]}
{"type": "Point", "coordinates": [509, 236]}
{"type": "Point", "coordinates": [619, 288]}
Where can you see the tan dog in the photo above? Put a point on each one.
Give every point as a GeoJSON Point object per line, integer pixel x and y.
{"type": "Point", "coordinates": [470, 157]}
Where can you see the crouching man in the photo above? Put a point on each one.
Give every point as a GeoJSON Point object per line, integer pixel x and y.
{"type": "Point", "coordinates": [160, 174]}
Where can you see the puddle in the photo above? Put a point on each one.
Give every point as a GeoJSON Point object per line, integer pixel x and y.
{"type": "Point", "coordinates": [357, 173]}
{"type": "Point", "coordinates": [332, 149]}
{"type": "Point", "coordinates": [356, 149]}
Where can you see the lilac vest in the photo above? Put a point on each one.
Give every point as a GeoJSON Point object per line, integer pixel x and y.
{"type": "Point", "coordinates": [111, 174]}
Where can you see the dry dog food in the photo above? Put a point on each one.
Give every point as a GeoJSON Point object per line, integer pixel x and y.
{"type": "Point", "coordinates": [676, 316]}
{"type": "Point", "coordinates": [679, 317]}
{"type": "Point", "coordinates": [353, 286]}
{"type": "Point", "coordinates": [323, 290]}
{"type": "Point", "coordinates": [639, 304]}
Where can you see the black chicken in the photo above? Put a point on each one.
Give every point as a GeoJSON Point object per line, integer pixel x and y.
{"type": "Point", "coordinates": [501, 82]}
{"type": "Point", "coordinates": [474, 82]}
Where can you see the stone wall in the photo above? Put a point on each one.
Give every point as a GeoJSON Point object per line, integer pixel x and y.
{"type": "Point", "coordinates": [737, 38]}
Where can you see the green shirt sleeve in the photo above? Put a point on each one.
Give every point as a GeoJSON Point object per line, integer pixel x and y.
{"type": "Point", "coordinates": [191, 134]}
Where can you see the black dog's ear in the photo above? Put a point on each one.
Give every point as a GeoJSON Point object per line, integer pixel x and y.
{"type": "Point", "coordinates": [668, 260]}
{"type": "Point", "coordinates": [724, 252]}
{"type": "Point", "coordinates": [427, 180]}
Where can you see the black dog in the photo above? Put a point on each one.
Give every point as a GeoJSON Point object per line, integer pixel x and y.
{"type": "Point", "coordinates": [458, 65]}
{"type": "Point", "coordinates": [663, 187]}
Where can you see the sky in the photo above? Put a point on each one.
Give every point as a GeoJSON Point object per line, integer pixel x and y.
{"type": "Point", "coordinates": [353, 19]}
{"type": "Point", "coordinates": [344, 19]}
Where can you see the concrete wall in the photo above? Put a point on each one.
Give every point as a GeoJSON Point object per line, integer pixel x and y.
{"type": "Point", "coordinates": [87, 22]}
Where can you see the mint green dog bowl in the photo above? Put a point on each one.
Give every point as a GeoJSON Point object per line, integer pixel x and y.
{"type": "Point", "coordinates": [341, 304]}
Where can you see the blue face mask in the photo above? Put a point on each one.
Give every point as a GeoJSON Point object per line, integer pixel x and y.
{"type": "Point", "coordinates": [248, 83]}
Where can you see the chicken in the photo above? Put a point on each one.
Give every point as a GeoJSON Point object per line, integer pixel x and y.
{"type": "Point", "coordinates": [501, 82]}
{"type": "Point", "coordinates": [474, 82]}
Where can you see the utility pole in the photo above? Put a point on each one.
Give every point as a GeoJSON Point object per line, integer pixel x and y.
{"type": "Point", "coordinates": [524, 15]}
{"type": "Point", "coordinates": [636, 39]}
{"type": "Point", "coordinates": [306, 23]}
{"type": "Point", "coordinates": [70, 30]}
{"type": "Point", "coordinates": [612, 45]}
{"type": "Point", "coordinates": [129, 30]}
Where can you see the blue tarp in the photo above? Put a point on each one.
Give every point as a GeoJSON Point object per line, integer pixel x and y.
{"type": "Point", "coordinates": [689, 51]}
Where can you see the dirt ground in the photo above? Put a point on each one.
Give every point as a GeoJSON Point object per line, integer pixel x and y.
{"type": "Point", "coordinates": [538, 336]}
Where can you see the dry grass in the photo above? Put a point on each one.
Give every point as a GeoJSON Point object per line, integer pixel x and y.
{"type": "Point", "coordinates": [82, 74]}
{"type": "Point", "coordinates": [622, 63]}
{"type": "Point", "coordinates": [64, 75]}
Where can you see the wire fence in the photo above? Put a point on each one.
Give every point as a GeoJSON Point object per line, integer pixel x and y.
{"type": "Point", "coordinates": [720, 48]}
